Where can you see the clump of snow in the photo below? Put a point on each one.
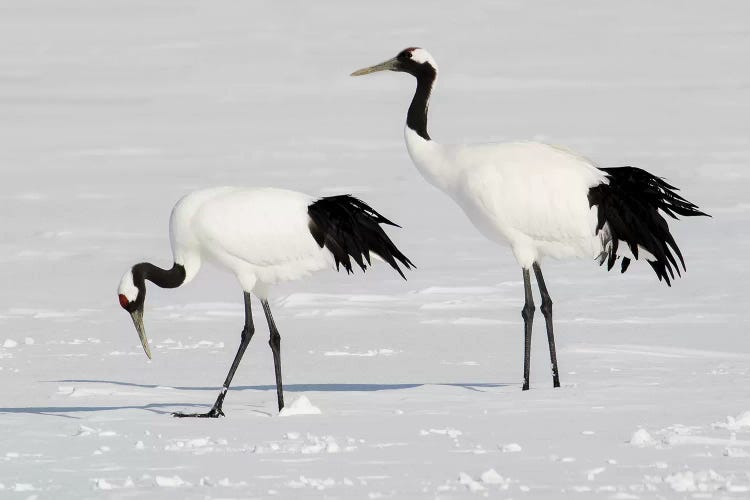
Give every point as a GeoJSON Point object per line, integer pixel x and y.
{"type": "Point", "coordinates": [681, 481]}
{"type": "Point", "coordinates": [10, 343]}
{"type": "Point", "coordinates": [700, 481]}
{"type": "Point", "coordinates": [139, 445]}
{"type": "Point", "coordinates": [312, 444]}
{"type": "Point", "coordinates": [450, 432]}
{"type": "Point", "coordinates": [300, 406]}
{"type": "Point", "coordinates": [741, 422]}
{"type": "Point", "coordinates": [469, 482]}
{"type": "Point", "coordinates": [103, 484]}
{"type": "Point", "coordinates": [84, 430]}
{"type": "Point", "coordinates": [641, 438]}
{"type": "Point", "coordinates": [197, 445]}
{"type": "Point", "coordinates": [320, 444]}
{"type": "Point", "coordinates": [492, 477]}
{"type": "Point", "coordinates": [170, 482]}
{"type": "Point", "coordinates": [318, 484]}
{"type": "Point", "coordinates": [28, 341]}
{"type": "Point", "coordinates": [227, 483]}
{"type": "Point", "coordinates": [511, 448]}
{"type": "Point", "coordinates": [591, 474]}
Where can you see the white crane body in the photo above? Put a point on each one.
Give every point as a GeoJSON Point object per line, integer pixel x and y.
{"type": "Point", "coordinates": [263, 236]}
{"type": "Point", "coordinates": [528, 195]}
{"type": "Point", "coordinates": [543, 200]}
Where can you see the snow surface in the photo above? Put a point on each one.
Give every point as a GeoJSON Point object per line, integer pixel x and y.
{"type": "Point", "coordinates": [113, 110]}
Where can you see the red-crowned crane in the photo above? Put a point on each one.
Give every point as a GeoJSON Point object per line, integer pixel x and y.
{"type": "Point", "coordinates": [264, 236]}
{"type": "Point", "coordinates": [542, 200]}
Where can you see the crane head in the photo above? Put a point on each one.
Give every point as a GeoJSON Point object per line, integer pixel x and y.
{"type": "Point", "coordinates": [414, 60]}
{"type": "Point", "coordinates": [132, 295]}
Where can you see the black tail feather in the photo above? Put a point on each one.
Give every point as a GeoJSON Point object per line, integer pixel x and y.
{"type": "Point", "coordinates": [629, 206]}
{"type": "Point", "coordinates": [350, 229]}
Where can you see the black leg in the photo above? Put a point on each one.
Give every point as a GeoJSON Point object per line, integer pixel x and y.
{"type": "Point", "coordinates": [547, 311]}
{"type": "Point", "coordinates": [527, 313]}
{"type": "Point", "coordinates": [247, 334]}
{"type": "Point", "coordinates": [275, 342]}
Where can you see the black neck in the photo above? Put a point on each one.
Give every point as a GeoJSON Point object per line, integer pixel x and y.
{"type": "Point", "coordinates": [163, 278]}
{"type": "Point", "coordinates": [416, 119]}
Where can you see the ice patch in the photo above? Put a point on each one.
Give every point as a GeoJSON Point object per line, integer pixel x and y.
{"type": "Point", "coordinates": [300, 406]}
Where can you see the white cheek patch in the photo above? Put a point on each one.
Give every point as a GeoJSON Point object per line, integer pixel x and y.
{"type": "Point", "coordinates": [422, 56]}
{"type": "Point", "coordinates": [127, 287]}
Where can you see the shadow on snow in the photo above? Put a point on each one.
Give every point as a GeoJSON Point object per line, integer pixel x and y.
{"type": "Point", "coordinates": [472, 386]}
{"type": "Point", "coordinates": [59, 411]}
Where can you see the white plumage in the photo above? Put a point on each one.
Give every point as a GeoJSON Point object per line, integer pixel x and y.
{"type": "Point", "coordinates": [528, 195]}
{"type": "Point", "coordinates": [263, 236]}
{"type": "Point", "coordinates": [542, 200]}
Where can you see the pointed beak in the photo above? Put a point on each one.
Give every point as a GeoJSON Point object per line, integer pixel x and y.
{"type": "Point", "coordinates": [137, 316]}
{"type": "Point", "coordinates": [390, 64]}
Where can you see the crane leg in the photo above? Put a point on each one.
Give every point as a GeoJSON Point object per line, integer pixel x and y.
{"type": "Point", "coordinates": [247, 334]}
{"type": "Point", "coordinates": [275, 342]}
{"type": "Point", "coordinates": [527, 313]}
{"type": "Point", "coordinates": [547, 312]}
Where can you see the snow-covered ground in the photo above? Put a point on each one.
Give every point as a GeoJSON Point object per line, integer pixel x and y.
{"type": "Point", "coordinates": [110, 111]}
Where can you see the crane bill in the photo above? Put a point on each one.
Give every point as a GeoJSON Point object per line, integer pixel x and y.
{"type": "Point", "coordinates": [137, 316]}
{"type": "Point", "coordinates": [390, 64]}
